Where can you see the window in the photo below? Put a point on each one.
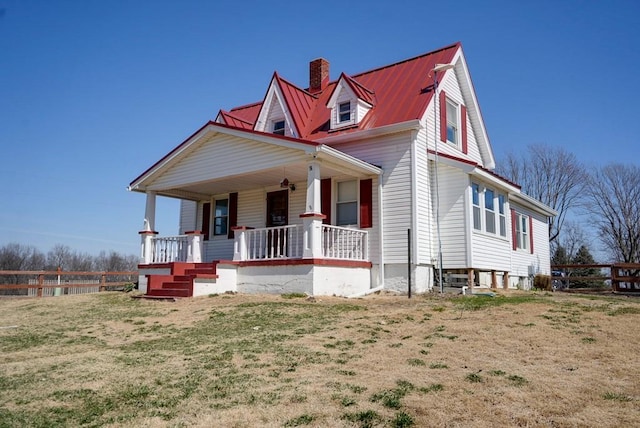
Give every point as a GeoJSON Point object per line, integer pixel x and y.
{"type": "Point", "coordinates": [347, 203]}
{"type": "Point", "coordinates": [475, 188]}
{"type": "Point", "coordinates": [344, 112]}
{"type": "Point", "coordinates": [489, 211]}
{"type": "Point", "coordinates": [221, 216]}
{"type": "Point", "coordinates": [522, 231]}
{"type": "Point", "coordinates": [278, 127]}
{"type": "Point", "coordinates": [452, 122]}
{"type": "Point", "coordinates": [488, 217]}
{"type": "Point", "coordinates": [502, 216]}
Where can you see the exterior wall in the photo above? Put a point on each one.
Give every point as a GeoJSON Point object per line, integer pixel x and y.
{"type": "Point", "coordinates": [393, 155]}
{"type": "Point", "coordinates": [424, 236]}
{"type": "Point", "coordinates": [188, 215]}
{"type": "Point", "coordinates": [523, 262]}
{"type": "Point", "coordinates": [396, 278]}
{"type": "Point", "coordinates": [451, 87]}
{"type": "Point", "coordinates": [252, 213]}
{"type": "Point", "coordinates": [453, 185]}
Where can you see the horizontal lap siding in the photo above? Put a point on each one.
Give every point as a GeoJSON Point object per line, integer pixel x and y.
{"type": "Point", "coordinates": [393, 154]}
{"type": "Point", "coordinates": [225, 156]}
{"type": "Point", "coordinates": [452, 89]}
{"type": "Point", "coordinates": [187, 216]}
{"type": "Point", "coordinates": [521, 259]}
{"type": "Point", "coordinates": [424, 203]}
{"type": "Point", "coordinates": [490, 252]}
{"type": "Point", "coordinates": [453, 184]}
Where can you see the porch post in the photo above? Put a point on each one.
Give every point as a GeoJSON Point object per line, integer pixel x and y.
{"type": "Point", "coordinates": [146, 251]}
{"type": "Point", "coordinates": [194, 249]}
{"type": "Point", "coordinates": [150, 211]}
{"type": "Point", "coordinates": [312, 217]}
{"type": "Point", "coordinates": [240, 252]}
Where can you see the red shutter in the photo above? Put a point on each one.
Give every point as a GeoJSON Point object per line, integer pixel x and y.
{"type": "Point", "coordinates": [325, 199]}
{"type": "Point", "coordinates": [206, 220]}
{"type": "Point", "coordinates": [531, 233]}
{"type": "Point", "coordinates": [463, 129]}
{"type": "Point", "coordinates": [366, 203]}
{"type": "Point", "coordinates": [513, 230]}
{"type": "Point", "coordinates": [443, 116]}
{"type": "Point", "coordinates": [233, 214]}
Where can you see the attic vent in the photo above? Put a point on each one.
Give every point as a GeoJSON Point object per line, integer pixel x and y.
{"type": "Point", "coordinates": [318, 75]}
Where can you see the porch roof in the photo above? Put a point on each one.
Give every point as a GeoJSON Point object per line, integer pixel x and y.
{"type": "Point", "coordinates": [220, 158]}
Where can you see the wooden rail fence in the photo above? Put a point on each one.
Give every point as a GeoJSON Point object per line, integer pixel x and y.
{"type": "Point", "coordinates": [107, 280]}
{"type": "Point", "coordinates": [624, 277]}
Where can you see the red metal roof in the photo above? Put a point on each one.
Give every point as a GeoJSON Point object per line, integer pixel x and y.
{"type": "Point", "coordinates": [233, 120]}
{"type": "Point", "coordinates": [399, 92]}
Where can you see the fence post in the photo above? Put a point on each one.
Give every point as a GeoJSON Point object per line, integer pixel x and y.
{"type": "Point", "coordinates": [40, 284]}
{"type": "Point", "coordinates": [103, 281]}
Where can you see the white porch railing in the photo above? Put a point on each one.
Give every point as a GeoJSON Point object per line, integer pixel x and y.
{"type": "Point", "coordinates": [274, 243]}
{"type": "Point", "coordinates": [344, 243]}
{"type": "Point", "coordinates": [169, 249]}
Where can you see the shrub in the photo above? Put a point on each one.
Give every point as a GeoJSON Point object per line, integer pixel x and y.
{"type": "Point", "coordinates": [542, 282]}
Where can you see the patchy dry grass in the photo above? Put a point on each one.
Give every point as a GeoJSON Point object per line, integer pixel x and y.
{"type": "Point", "coordinates": [274, 361]}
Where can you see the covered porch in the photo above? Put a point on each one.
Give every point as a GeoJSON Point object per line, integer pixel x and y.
{"type": "Point", "coordinates": [264, 210]}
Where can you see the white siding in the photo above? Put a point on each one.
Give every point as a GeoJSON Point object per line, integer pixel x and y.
{"type": "Point", "coordinates": [451, 87]}
{"type": "Point", "coordinates": [393, 155]}
{"type": "Point", "coordinates": [187, 216]}
{"type": "Point", "coordinates": [453, 185]}
{"type": "Point", "coordinates": [538, 262]}
{"type": "Point", "coordinates": [425, 215]}
{"type": "Point", "coordinates": [219, 157]}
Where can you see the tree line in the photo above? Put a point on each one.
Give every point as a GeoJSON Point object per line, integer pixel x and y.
{"type": "Point", "coordinates": [604, 199]}
{"type": "Point", "coordinates": [14, 256]}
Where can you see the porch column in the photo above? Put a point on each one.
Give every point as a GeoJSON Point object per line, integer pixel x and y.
{"type": "Point", "coordinates": [312, 217]}
{"type": "Point", "coordinates": [194, 249]}
{"type": "Point", "coordinates": [240, 251]}
{"type": "Point", "coordinates": [150, 211]}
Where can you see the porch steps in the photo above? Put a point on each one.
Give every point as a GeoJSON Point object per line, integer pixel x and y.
{"type": "Point", "coordinates": [180, 282]}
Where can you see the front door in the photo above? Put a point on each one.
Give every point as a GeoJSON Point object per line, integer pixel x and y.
{"type": "Point", "coordinates": [277, 215]}
{"type": "Point", "coordinates": [278, 208]}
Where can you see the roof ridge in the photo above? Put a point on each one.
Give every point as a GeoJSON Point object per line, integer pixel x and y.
{"type": "Point", "coordinates": [456, 44]}
{"type": "Point", "coordinates": [294, 85]}
{"type": "Point", "coordinates": [351, 79]}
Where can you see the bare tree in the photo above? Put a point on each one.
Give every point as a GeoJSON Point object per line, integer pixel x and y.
{"type": "Point", "coordinates": [549, 174]}
{"type": "Point", "coordinates": [571, 239]}
{"type": "Point", "coordinates": [614, 204]}
{"type": "Point", "coordinates": [59, 256]}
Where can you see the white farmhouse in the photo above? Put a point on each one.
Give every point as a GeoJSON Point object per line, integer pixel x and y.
{"type": "Point", "coordinates": [341, 188]}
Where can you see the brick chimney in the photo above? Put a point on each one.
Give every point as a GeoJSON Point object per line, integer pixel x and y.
{"type": "Point", "coordinates": [318, 75]}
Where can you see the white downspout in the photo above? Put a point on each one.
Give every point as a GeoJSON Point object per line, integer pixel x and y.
{"type": "Point", "coordinates": [380, 232]}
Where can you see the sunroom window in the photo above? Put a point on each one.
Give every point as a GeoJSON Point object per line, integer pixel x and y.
{"type": "Point", "coordinates": [522, 231]}
{"type": "Point", "coordinates": [475, 189]}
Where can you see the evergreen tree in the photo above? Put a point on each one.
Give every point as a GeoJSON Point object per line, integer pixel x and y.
{"type": "Point", "coordinates": [583, 257]}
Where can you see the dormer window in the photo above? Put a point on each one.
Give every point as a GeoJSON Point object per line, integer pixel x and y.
{"type": "Point", "coordinates": [344, 112]}
{"type": "Point", "coordinates": [278, 127]}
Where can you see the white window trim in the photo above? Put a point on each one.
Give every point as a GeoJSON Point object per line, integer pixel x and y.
{"type": "Point", "coordinates": [455, 122]}
{"type": "Point", "coordinates": [483, 211]}
{"type": "Point", "coordinates": [212, 223]}
{"type": "Point", "coordinates": [525, 236]}
{"type": "Point", "coordinates": [284, 126]}
{"type": "Point", "coordinates": [335, 203]}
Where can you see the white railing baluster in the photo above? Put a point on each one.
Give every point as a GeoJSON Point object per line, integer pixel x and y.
{"type": "Point", "coordinates": [344, 243]}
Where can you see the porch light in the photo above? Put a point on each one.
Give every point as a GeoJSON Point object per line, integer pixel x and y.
{"type": "Point", "coordinates": [284, 183]}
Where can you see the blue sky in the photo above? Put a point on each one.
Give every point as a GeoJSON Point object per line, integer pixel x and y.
{"type": "Point", "coordinates": [94, 92]}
